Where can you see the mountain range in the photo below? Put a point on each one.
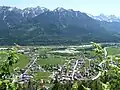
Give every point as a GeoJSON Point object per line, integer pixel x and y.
{"type": "Point", "coordinates": [107, 18]}
{"type": "Point", "coordinates": [41, 26]}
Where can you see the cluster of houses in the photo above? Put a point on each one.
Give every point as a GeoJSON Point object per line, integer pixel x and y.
{"type": "Point", "coordinates": [74, 70]}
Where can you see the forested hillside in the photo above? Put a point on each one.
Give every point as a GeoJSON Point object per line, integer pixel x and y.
{"type": "Point", "coordinates": [42, 26]}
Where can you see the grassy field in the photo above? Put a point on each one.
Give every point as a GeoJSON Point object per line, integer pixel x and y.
{"type": "Point", "coordinates": [45, 77]}
{"type": "Point", "coordinates": [42, 75]}
{"type": "Point", "coordinates": [23, 60]}
{"type": "Point", "coordinates": [113, 50]}
{"type": "Point", "coordinates": [51, 60]}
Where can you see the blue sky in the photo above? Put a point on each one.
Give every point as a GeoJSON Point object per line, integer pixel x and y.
{"type": "Point", "coordinates": [94, 7]}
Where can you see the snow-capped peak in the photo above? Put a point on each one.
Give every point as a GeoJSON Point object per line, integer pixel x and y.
{"type": "Point", "coordinates": [11, 8]}
{"type": "Point", "coordinates": [33, 11]}
{"type": "Point", "coordinates": [107, 18]}
{"type": "Point", "coordinates": [60, 9]}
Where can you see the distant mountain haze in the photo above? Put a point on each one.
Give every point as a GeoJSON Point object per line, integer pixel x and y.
{"type": "Point", "coordinates": [41, 26]}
